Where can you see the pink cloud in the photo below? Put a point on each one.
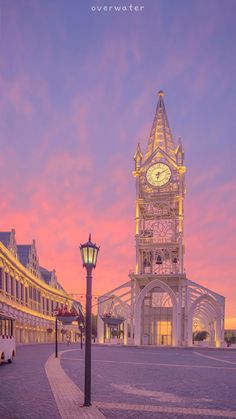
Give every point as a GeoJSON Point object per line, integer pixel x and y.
{"type": "Point", "coordinates": [211, 242]}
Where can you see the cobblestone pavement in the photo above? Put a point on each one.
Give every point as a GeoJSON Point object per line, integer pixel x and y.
{"type": "Point", "coordinates": [127, 383]}
{"type": "Point", "coordinates": [69, 398]}
{"type": "Point", "coordinates": [158, 383]}
{"type": "Point", "coordinates": [24, 389]}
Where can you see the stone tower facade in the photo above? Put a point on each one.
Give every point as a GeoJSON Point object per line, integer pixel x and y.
{"type": "Point", "coordinates": [159, 305]}
{"type": "Point", "coordinates": [160, 190]}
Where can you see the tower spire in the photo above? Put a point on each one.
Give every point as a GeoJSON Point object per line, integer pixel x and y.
{"type": "Point", "coordinates": [160, 135]}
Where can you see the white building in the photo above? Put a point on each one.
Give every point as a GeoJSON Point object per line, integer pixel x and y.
{"type": "Point", "coordinates": [30, 293]}
{"type": "Point", "coordinates": [159, 305]}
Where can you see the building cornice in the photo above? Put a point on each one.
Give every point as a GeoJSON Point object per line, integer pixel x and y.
{"type": "Point", "coordinates": [23, 271]}
{"type": "Point", "coordinates": [22, 308]}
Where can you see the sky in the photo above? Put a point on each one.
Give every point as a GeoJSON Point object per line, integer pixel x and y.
{"type": "Point", "coordinates": [78, 92]}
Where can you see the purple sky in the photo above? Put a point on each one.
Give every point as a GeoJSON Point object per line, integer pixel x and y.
{"type": "Point", "coordinates": [78, 91]}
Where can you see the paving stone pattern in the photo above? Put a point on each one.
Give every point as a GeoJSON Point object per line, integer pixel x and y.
{"type": "Point", "coordinates": [162, 377]}
{"type": "Point", "coordinates": [127, 383]}
{"type": "Point", "coordinates": [68, 396]}
{"type": "Point", "coordinates": [24, 389]}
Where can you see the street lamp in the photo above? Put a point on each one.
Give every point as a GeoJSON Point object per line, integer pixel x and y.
{"type": "Point", "coordinates": [89, 253]}
{"type": "Point", "coordinates": [55, 313]}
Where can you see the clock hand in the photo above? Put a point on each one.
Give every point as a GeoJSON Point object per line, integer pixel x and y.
{"type": "Point", "coordinates": [164, 171]}
{"type": "Point", "coordinates": [160, 173]}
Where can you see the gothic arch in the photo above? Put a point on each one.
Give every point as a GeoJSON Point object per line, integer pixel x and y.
{"type": "Point", "coordinates": [138, 306]}
{"type": "Point", "coordinates": [208, 313]}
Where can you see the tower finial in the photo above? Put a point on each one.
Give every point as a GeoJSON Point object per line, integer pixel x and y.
{"type": "Point", "coordinates": [160, 135]}
{"type": "Point", "coordinates": [138, 157]}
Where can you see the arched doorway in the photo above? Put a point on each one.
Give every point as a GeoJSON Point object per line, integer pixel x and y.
{"type": "Point", "coordinates": [113, 319]}
{"type": "Point", "coordinates": [156, 318]}
{"type": "Point", "coordinates": [205, 318]}
{"type": "Point", "coordinates": [156, 315]}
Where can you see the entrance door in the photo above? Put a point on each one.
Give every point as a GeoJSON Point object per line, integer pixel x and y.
{"type": "Point", "coordinates": [164, 333]}
{"type": "Point", "coordinates": [157, 312]}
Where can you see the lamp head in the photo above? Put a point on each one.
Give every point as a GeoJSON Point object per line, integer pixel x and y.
{"type": "Point", "coordinates": [89, 253]}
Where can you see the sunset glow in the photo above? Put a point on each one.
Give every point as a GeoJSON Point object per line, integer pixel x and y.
{"type": "Point", "coordinates": [78, 92]}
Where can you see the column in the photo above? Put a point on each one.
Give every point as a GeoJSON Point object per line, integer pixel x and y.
{"type": "Point", "coordinates": [9, 284]}
{"type": "Point", "coordinates": [179, 316]}
{"type": "Point", "coordinates": [50, 306]}
{"type": "Point", "coordinates": [137, 220]}
{"type": "Point", "coordinates": [22, 293]}
{"type": "Point", "coordinates": [6, 282]}
{"type": "Point", "coordinates": [26, 295]}
{"type": "Point", "coordinates": [132, 312]}
{"type": "Point", "coordinates": [132, 329]}
{"type": "Point", "coordinates": [186, 316]}
{"type": "Point", "coordinates": [3, 279]}
{"type": "Point", "coordinates": [100, 329]}
{"type": "Point", "coordinates": [100, 322]}
{"type": "Point", "coordinates": [137, 337]}
{"type": "Point", "coordinates": [180, 219]}
{"type": "Point", "coordinates": [14, 288]}
{"type": "Point", "coordinates": [212, 334]}
{"type": "Point", "coordinates": [190, 331]}
{"type": "Point", "coordinates": [125, 332]}
{"type": "Point", "coordinates": [218, 332]}
{"type": "Point", "coordinates": [175, 325]}
{"type": "Point", "coordinates": [19, 291]}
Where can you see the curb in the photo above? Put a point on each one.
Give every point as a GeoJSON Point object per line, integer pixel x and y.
{"type": "Point", "coordinates": [69, 398]}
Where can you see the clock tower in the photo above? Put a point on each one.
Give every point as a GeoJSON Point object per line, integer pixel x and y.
{"type": "Point", "coordinates": [160, 190]}
{"type": "Point", "coordinates": [157, 286]}
{"type": "Point", "coordinates": [159, 305]}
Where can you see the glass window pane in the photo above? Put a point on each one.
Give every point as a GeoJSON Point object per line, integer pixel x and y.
{"type": "Point", "coordinates": [95, 256]}
{"type": "Point", "coordinates": [85, 254]}
{"type": "Point", "coordinates": [82, 255]}
{"type": "Point", "coordinates": [90, 255]}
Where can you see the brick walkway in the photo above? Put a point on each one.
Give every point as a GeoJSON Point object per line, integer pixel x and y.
{"type": "Point", "coordinates": [127, 383]}
{"type": "Point", "coordinates": [133, 383]}
{"type": "Point", "coordinates": [200, 413]}
{"type": "Point", "coordinates": [68, 397]}
{"type": "Point", "coordinates": [25, 392]}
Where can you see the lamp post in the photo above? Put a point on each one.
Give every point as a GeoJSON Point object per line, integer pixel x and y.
{"type": "Point", "coordinates": [89, 253]}
{"type": "Point", "coordinates": [55, 313]}
{"type": "Point", "coordinates": [80, 325]}
{"type": "Point", "coordinates": [56, 342]}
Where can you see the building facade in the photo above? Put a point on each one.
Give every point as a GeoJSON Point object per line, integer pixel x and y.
{"type": "Point", "coordinates": [159, 305]}
{"type": "Point", "coordinates": [30, 293]}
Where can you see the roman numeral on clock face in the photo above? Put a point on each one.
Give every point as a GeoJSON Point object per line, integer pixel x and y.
{"type": "Point", "coordinates": [158, 174]}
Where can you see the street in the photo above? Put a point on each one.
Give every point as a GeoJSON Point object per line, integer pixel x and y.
{"type": "Point", "coordinates": [129, 382]}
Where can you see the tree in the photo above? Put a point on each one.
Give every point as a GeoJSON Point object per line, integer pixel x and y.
{"type": "Point", "coordinates": [229, 338]}
{"type": "Point", "coordinates": [94, 324]}
{"type": "Point", "coordinates": [200, 336]}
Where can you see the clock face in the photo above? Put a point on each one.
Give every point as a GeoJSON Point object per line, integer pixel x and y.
{"type": "Point", "coordinates": [158, 174]}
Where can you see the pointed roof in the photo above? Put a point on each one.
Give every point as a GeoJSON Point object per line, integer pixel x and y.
{"type": "Point", "coordinates": [5, 237]}
{"type": "Point", "coordinates": [138, 154]}
{"type": "Point", "coordinates": [23, 251]}
{"type": "Point", "coordinates": [8, 239]}
{"type": "Point", "coordinates": [160, 135]}
{"type": "Point", "coordinates": [50, 278]}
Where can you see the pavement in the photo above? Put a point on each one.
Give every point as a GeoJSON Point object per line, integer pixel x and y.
{"type": "Point", "coordinates": [127, 383]}
{"type": "Point", "coordinates": [25, 392]}
{"type": "Point", "coordinates": [69, 398]}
